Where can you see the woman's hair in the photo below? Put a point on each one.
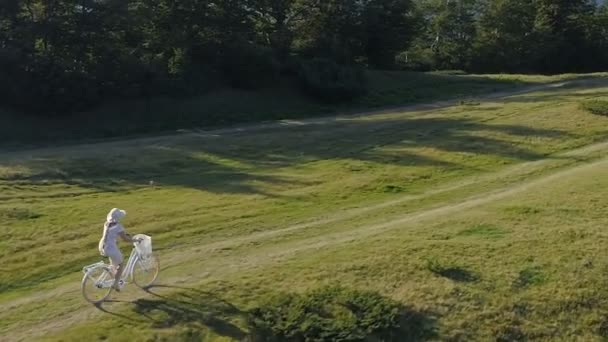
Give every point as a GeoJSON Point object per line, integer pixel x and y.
{"type": "Point", "coordinates": [109, 224]}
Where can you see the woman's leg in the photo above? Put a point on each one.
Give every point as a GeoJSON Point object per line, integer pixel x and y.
{"type": "Point", "coordinates": [117, 277]}
{"type": "Point", "coordinates": [116, 261]}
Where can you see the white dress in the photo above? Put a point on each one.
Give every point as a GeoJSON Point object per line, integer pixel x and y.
{"type": "Point", "coordinates": [108, 245]}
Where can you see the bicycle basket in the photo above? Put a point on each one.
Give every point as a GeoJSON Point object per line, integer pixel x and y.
{"type": "Point", "coordinates": [144, 248]}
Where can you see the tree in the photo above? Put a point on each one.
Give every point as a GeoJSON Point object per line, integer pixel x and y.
{"type": "Point", "coordinates": [275, 20]}
{"type": "Point", "coordinates": [449, 31]}
{"type": "Point", "coordinates": [334, 29]}
{"type": "Point", "coordinates": [390, 28]}
{"type": "Point", "coordinates": [368, 31]}
{"type": "Point", "coordinates": [66, 55]}
{"type": "Point", "coordinates": [506, 41]}
{"type": "Point", "coordinates": [562, 29]}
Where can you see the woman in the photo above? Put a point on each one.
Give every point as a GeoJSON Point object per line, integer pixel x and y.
{"type": "Point", "coordinates": [108, 246]}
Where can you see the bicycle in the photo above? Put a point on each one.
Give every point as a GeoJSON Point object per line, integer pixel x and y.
{"type": "Point", "coordinates": [142, 268]}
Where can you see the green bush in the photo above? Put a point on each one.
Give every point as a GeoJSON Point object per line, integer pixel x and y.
{"type": "Point", "coordinates": [51, 91]}
{"type": "Point", "coordinates": [597, 107]}
{"type": "Point", "coordinates": [416, 59]}
{"type": "Point", "coordinates": [331, 82]}
{"type": "Point", "coordinates": [248, 66]}
{"type": "Point", "coordinates": [327, 314]}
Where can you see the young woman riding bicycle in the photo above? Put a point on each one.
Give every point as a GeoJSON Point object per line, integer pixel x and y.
{"type": "Point", "coordinates": [108, 245]}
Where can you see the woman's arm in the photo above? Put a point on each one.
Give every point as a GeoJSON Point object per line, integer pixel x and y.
{"type": "Point", "coordinates": [126, 237]}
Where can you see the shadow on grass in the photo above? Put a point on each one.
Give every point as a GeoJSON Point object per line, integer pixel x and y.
{"type": "Point", "coordinates": [191, 308]}
{"type": "Point", "coordinates": [452, 272]}
{"type": "Point", "coordinates": [334, 313]}
{"type": "Point", "coordinates": [560, 94]}
{"type": "Point", "coordinates": [413, 326]}
{"type": "Point", "coordinates": [105, 308]}
{"type": "Point", "coordinates": [249, 163]}
{"type": "Point", "coordinates": [458, 274]}
{"type": "Point", "coordinates": [186, 311]}
{"type": "Point", "coordinates": [246, 162]}
{"type": "Point", "coordinates": [224, 107]}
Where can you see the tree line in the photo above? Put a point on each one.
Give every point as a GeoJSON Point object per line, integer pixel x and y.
{"type": "Point", "coordinates": [59, 56]}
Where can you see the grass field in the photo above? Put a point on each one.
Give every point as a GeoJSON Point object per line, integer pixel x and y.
{"type": "Point", "coordinates": [485, 220]}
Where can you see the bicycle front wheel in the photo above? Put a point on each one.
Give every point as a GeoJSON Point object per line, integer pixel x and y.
{"type": "Point", "coordinates": [97, 285]}
{"type": "Point", "coordinates": [146, 271]}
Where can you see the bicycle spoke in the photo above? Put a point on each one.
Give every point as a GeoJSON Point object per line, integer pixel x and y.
{"type": "Point", "coordinates": [95, 285]}
{"type": "Point", "coordinates": [145, 271]}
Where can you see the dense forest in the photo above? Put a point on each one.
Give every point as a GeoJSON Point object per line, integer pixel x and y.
{"type": "Point", "coordinates": [59, 56]}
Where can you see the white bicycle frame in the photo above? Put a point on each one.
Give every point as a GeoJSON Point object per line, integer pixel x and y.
{"type": "Point", "coordinates": [127, 272]}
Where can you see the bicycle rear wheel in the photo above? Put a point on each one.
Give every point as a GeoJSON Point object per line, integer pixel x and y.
{"type": "Point", "coordinates": [97, 284]}
{"type": "Point", "coordinates": [146, 271]}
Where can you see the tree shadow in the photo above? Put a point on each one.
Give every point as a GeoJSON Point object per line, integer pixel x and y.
{"type": "Point", "coordinates": [414, 326]}
{"type": "Point", "coordinates": [193, 309]}
{"type": "Point", "coordinates": [105, 308]}
{"type": "Point", "coordinates": [145, 116]}
{"type": "Point", "coordinates": [559, 94]}
{"type": "Point", "coordinates": [146, 167]}
{"type": "Point", "coordinates": [338, 313]}
{"type": "Point", "coordinates": [452, 272]}
{"type": "Point", "coordinates": [252, 162]}
{"type": "Point", "coordinates": [458, 274]}
{"type": "Point", "coordinates": [388, 141]}
{"type": "Point", "coordinates": [189, 309]}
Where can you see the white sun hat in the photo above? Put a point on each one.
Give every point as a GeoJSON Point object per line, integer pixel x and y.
{"type": "Point", "coordinates": [115, 215]}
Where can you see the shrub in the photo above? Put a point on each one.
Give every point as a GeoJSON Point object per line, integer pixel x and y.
{"type": "Point", "coordinates": [249, 66]}
{"type": "Point", "coordinates": [327, 314]}
{"type": "Point", "coordinates": [330, 82]}
{"type": "Point", "coordinates": [46, 88]}
{"type": "Point", "coordinates": [529, 276]}
{"type": "Point", "coordinates": [416, 59]}
{"type": "Point", "coordinates": [597, 107]}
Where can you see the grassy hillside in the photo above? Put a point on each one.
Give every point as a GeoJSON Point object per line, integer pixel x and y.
{"type": "Point", "coordinates": [484, 220]}
{"type": "Point", "coordinates": [229, 106]}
